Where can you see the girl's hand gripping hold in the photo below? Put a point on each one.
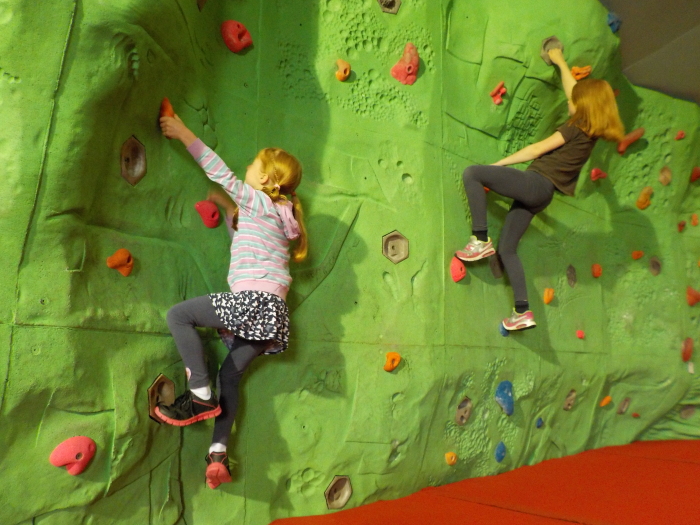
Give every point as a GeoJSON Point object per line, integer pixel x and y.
{"type": "Point", "coordinates": [174, 128]}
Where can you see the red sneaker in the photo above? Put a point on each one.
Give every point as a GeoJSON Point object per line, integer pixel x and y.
{"type": "Point", "coordinates": [475, 250]}
{"type": "Point", "coordinates": [518, 321]}
{"type": "Point", "coordinates": [217, 469]}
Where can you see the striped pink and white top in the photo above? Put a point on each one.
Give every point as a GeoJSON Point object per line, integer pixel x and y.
{"type": "Point", "coordinates": [260, 248]}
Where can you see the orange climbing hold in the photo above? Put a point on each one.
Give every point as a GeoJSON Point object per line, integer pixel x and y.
{"type": "Point", "coordinates": [644, 199]}
{"type": "Point", "coordinates": [597, 173]}
{"type": "Point", "coordinates": [687, 350]}
{"type": "Point", "coordinates": [166, 108]}
{"type": "Point", "coordinates": [74, 453]}
{"type": "Point", "coordinates": [580, 72]}
{"type": "Point", "coordinates": [692, 296]}
{"type": "Point", "coordinates": [680, 135]}
{"type": "Point", "coordinates": [450, 458]}
{"type": "Point", "coordinates": [497, 93]}
{"type": "Point", "coordinates": [629, 139]}
{"type": "Point", "coordinates": [637, 254]}
{"type": "Point", "coordinates": [406, 69]}
{"type": "Point", "coordinates": [392, 361]}
{"type": "Point", "coordinates": [597, 270]}
{"type": "Point", "coordinates": [457, 270]}
{"type": "Point", "coordinates": [344, 70]}
{"type": "Point", "coordinates": [548, 295]}
{"type": "Point", "coordinates": [695, 174]}
{"type": "Point", "coordinates": [681, 226]}
{"type": "Point", "coordinates": [605, 401]}
{"type": "Point", "coordinates": [122, 261]}
{"type": "Point", "coordinates": [694, 219]}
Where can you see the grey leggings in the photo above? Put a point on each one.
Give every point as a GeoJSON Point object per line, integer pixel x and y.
{"type": "Point", "coordinates": [532, 193]}
{"type": "Point", "coordinates": [182, 320]}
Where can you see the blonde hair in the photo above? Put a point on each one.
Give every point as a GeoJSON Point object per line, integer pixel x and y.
{"type": "Point", "coordinates": [596, 110]}
{"type": "Point", "coordinates": [284, 172]}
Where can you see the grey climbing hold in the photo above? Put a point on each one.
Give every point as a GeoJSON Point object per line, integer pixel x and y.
{"type": "Point", "coordinates": [133, 160]}
{"type": "Point", "coordinates": [395, 246]}
{"type": "Point", "coordinates": [500, 453]}
{"type": "Point", "coordinates": [687, 411]}
{"type": "Point", "coordinates": [390, 6]}
{"type": "Point", "coordinates": [338, 492]}
{"type": "Point", "coordinates": [622, 408]}
{"type": "Point", "coordinates": [550, 43]}
{"type": "Point", "coordinates": [655, 265]}
{"type": "Point", "coordinates": [571, 275]}
{"type": "Point", "coordinates": [504, 397]}
{"type": "Point", "coordinates": [464, 411]}
{"type": "Point", "coordinates": [570, 400]}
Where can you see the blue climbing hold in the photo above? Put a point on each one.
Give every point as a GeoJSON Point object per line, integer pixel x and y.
{"type": "Point", "coordinates": [500, 451]}
{"type": "Point", "coordinates": [540, 422]}
{"type": "Point", "coordinates": [614, 22]}
{"type": "Point", "coordinates": [502, 329]}
{"type": "Point", "coordinates": [504, 397]}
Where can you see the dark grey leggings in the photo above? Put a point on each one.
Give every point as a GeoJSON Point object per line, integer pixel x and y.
{"type": "Point", "coordinates": [532, 193]}
{"type": "Point", "coordinates": [182, 320]}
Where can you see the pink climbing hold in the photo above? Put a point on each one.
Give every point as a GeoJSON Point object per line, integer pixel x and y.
{"type": "Point", "coordinates": [235, 35]}
{"type": "Point", "coordinates": [406, 69]}
{"type": "Point", "coordinates": [580, 334]}
{"type": "Point", "coordinates": [457, 269]}
{"type": "Point", "coordinates": [597, 173]}
{"type": "Point", "coordinates": [629, 139]}
{"type": "Point", "coordinates": [680, 135]}
{"type": "Point", "coordinates": [498, 92]}
{"type": "Point", "coordinates": [74, 453]}
{"type": "Point", "coordinates": [208, 212]}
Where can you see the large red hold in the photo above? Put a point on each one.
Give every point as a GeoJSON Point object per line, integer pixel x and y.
{"type": "Point", "coordinates": [236, 36]}
{"type": "Point", "coordinates": [629, 139]}
{"type": "Point", "coordinates": [406, 69]}
{"type": "Point", "coordinates": [208, 212]}
{"type": "Point", "coordinates": [74, 453]}
{"type": "Point", "coordinates": [457, 269]}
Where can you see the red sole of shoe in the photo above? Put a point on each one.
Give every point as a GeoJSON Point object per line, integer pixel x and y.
{"type": "Point", "coordinates": [185, 422]}
{"type": "Point", "coordinates": [472, 259]}
{"type": "Point", "coordinates": [217, 474]}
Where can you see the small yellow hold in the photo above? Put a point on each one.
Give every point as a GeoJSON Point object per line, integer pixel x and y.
{"type": "Point", "coordinates": [392, 361]}
{"type": "Point", "coordinates": [344, 70]}
{"type": "Point", "coordinates": [548, 295]}
{"type": "Point", "coordinates": [605, 401]}
{"type": "Point", "coordinates": [451, 458]}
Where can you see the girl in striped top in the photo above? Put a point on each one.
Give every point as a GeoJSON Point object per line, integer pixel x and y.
{"type": "Point", "coordinates": [254, 311]}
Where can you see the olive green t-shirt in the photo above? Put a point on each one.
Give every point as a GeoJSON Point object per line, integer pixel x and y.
{"type": "Point", "coordinates": [563, 165]}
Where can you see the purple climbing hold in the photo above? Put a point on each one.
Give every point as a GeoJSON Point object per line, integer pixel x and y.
{"type": "Point", "coordinates": [504, 397]}
{"type": "Point", "coordinates": [500, 451]}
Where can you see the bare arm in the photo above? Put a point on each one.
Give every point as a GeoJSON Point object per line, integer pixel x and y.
{"type": "Point", "coordinates": [567, 79]}
{"type": "Point", "coordinates": [533, 151]}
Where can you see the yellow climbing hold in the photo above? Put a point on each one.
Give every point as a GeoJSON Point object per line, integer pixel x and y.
{"type": "Point", "coordinates": [451, 458]}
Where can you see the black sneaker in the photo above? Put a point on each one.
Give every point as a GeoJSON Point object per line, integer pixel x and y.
{"type": "Point", "coordinates": [188, 409]}
{"type": "Point", "coordinates": [217, 469]}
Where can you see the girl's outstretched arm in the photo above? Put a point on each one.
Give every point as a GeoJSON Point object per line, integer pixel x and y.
{"type": "Point", "coordinates": [533, 151]}
{"type": "Point", "coordinates": [567, 79]}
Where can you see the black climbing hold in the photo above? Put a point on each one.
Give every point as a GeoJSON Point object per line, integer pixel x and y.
{"type": "Point", "coordinates": [622, 408]}
{"type": "Point", "coordinates": [464, 410]}
{"type": "Point", "coordinates": [655, 265]}
{"type": "Point", "coordinates": [571, 275]}
{"type": "Point", "coordinates": [390, 6]}
{"type": "Point", "coordinates": [570, 400]}
{"type": "Point", "coordinates": [133, 160]}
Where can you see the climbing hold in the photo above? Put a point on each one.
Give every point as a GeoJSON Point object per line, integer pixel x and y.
{"type": "Point", "coordinates": [580, 334]}
{"type": "Point", "coordinates": [392, 361]}
{"type": "Point", "coordinates": [580, 72]}
{"type": "Point", "coordinates": [687, 351]}
{"type": "Point", "coordinates": [680, 135]}
{"type": "Point", "coordinates": [390, 6]}
{"type": "Point", "coordinates": [450, 458]}
{"type": "Point", "coordinates": [681, 226]}
{"type": "Point", "coordinates": [622, 408]}
{"type": "Point", "coordinates": [406, 69]}
{"type": "Point", "coordinates": [665, 176]}
{"type": "Point", "coordinates": [637, 254]}
{"type": "Point", "coordinates": [605, 401]}
{"type": "Point", "coordinates": [504, 397]}
{"type": "Point", "coordinates": [457, 270]}
{"type": "Point", "coordinates": [655, 266]}
{"type": "Point", "coordinates": [166, 108]}
{"type": "Point", "coordinates": [570, 400]}
{"type": "Point", "coordinates": [539, 423]}
{"type": "Point", "coordinates": [161, 391]}
{"type": "Point", "coordinates": [548, 295]}
{"type": "Point", "coordinates": [644, 199]}
{"type": "Point", "coordinates": [614, 22]}
{"type": "Point", "coordinates": [74, 453]}
{"type": "Point", "coordinates": [122, 261]}
{"type": "Point", "coordinates": [344, 70]}
{"type": "Point", "coordinates": [694, 219]}
{"type": "Point", "coordinates": [395, 246]}
{"type": "Point", "coordinates": [208, 212]}
{"type": "Point", "coordinates": [235, 35]}
{"type": "Point", "coordinates": [695, 174]}
{"type": "Point", "coordinates": [692, 296]}
{"type": "Point", "coordinates": [338, 492]}
{"type": "Point", "coordinates": [133, 160]}
{"type": "Point", "coordinates": [616, 92]}
{"type": "Point", "coordinates": [596, 270]}
{"type": "Point", "coordinates": [486, 189]}
{"type": "Point", "coordinates": [464, 411]}
{"type": "Point", "coordinates": [200, 4]}
{"type": "Point", "coordinates": [498, 92]}
{"type": "Point", "coordinates": [635, 415]}
{"type": "Point", "coordinates": [597, 173]}
{"type": "Point", "coordinates": [691, 367]}
{"type": "Point", "coordinates": [548, 44]}
{"type": "Point", "coordinates": [503, 330]}
{"type": "Point", "coordinates": [687, 411]}
{"type": "Point", "coordinates": [571, 275]}
{"type": "Point", "coordinates": [500, 453]}
{"type": "Point", "coordinates": [629, 139]}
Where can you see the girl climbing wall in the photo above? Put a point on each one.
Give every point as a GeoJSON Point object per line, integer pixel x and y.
{"type": "Point", "coordinates": [254, 310]}
{"type": "Point", "coordinates": [559, 159]}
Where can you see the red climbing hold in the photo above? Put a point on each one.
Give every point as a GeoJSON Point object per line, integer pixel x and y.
{"type": "Point", "coordinates": [687, 351]}
{"type": "Point", "coordinates": [74, 453]}
{"type": "Point", "coordinates": [635, 415]}
{"type": "Point", "coordinates": [597, 173]}
{"type": "Point", "coordinates": [692, 296]}
{"type": "Point", "coordinates": [457, 269]}
{"type": "Point", "coordinates": [166, 108]}
{"type": "Point", "coordinates": [681, 226]}
{"type": "Point", "coordinates": [208, 212]}
{"type": "Point", "coordinates": [597, 270]}
{"type": "Point", "coordinates": [498, 92]}
{"type": "Point", "coordinates": [695, 174]}
{"type": "Point", "coordinates": [680, 135]}
{"type": "Point", "coordinates": [629, 139]}
{"type": "Point", "coordinates": [637, 254]}
{"type": "Point", "coordinates": [236, 36]}
{"type": "Point", "coordinates": [580, 334]}
{"type": "Point", "coordinates": [406, 69]}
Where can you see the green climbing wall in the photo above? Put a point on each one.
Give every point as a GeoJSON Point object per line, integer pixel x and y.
{"type": "Point", "coordinates": [80, 344]}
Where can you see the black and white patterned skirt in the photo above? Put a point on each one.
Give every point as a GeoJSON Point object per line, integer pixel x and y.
{"type": "Point", "coordinates": [253, 315]}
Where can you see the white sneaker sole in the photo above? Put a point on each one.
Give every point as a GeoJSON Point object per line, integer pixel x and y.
{"type": "Point", "coordinates": [521, 326]}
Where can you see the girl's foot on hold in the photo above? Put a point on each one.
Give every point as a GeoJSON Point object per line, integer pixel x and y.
{"type": "Point", "coordinates": [217, 469]}
{"type": "Point", "coordinates": [518, 321]}
{"type": "Point", "coordinates": [188, 409]}
{"type": "Point", "coordinates": [475, 250]}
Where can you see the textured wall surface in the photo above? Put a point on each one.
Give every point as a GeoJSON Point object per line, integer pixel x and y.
{"type": "Point", "coordinates": [81, 344]}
